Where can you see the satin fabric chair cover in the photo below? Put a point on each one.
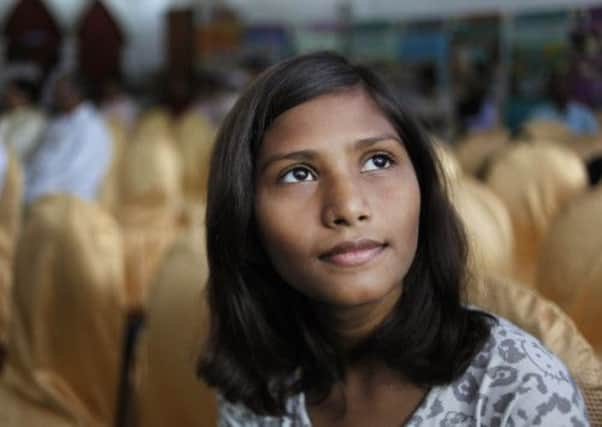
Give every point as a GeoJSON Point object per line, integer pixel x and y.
{"type": "Point", "coordinates": [474, 150]}
{"type": "Point", "coordinates": [6, 282]}
{"type": "Point", "coordinates": [195, 136]}
{"type": "Point", "coordinates": [535, 181]}
{"type": "Point", "coordinates": [485, 218]}
{"type": "Point", "coordinates": [549, 130]}
{"type": "Point", "coordinates": [108, 196]}
{"type": "Point", "coordinates": [168, 391]}
{"type": "Point", "coordinates": [11, 198]}
{"type": "Point", "coordinates": [68, 317]}
{"type": "Point", "coordinates": [585, 146]}
{"type": "Point", "coordinates": [153, 122]}
{"type": "Point", "coordinates": [149, 208]}
{"type": "Point", "coordinates": [570, 266]}
{"type": "Point", "coordinates": [450, 168]}
{"type": "Point", "coordinates": [487, 225]}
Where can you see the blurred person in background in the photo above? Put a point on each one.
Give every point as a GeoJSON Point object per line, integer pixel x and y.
{"type": "Point", "coordinates": [117, 105]}
{"type": "Point", "coordinates": [476, 107]}
{"type": "Point", "coordinates": [563, 108]}
{"type": "Point", "coordinates": [585, 72]}
{"type": "Point", "coordinates": [75, 152]}
{"type": "Point", "coordinates": [478, 112]}
{"type": "Point", "coordinates": [217, 93]}
{"type": "Point", "coordinates": [176, 93]}
{"type": "Point", "coordinates": [23, 124]}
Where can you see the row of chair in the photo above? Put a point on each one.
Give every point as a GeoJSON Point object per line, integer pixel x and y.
{"type": "Point", "coordinates": [143, 250]}
{"type": "Point", "coordinates": [533, 217]}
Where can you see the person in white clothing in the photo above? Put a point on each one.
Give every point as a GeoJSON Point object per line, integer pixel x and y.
{"type": "Point", "coordinates": [117, 105]}
{"type": "Point", "coordinates": [75, 153]}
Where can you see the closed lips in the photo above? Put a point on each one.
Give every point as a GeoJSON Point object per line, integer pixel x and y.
{"type": "Point", "coordinates": [353, 253]}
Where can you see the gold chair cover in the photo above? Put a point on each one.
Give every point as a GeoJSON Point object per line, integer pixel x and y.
{"type": "Point", "coordinates": [168, 391]}
{"type": "Point", "coordinates": [11, 197]}
{"type": "Point", "coordinates": [487, 224]}
{"type": "Point", "coordinates": [108, 196]}
{"type": "Point", "coordinates": [149, 209]}
{"type": "Point", "coordinates": [64, 349]}
{"type": "Point", "coordinates": [535, 181]}
{"type": "Point", "coordinates": [570, 266]}
{"type": "Point", "coordinates": [549, 130]}
{"type": "Point", "coordinates": [195, 137]}
{"type": "Point", "coordinates": [474, 150]}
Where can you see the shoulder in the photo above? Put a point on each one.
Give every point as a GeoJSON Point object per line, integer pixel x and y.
{"type": "Point", "coordinates": [525, 379]}
{"type": "Point", "coordinates": [513, 350]}
{"type": "Point", "coordinates": [516, 379]}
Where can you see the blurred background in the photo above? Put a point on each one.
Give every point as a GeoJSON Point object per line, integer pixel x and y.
{"type": "Point", "coordinates": [108, 115]}
{"type": "Point", "coordinates": [432, 51]}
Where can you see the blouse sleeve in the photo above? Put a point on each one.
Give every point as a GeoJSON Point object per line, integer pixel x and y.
{"type": "Point", "coordinates": [532, 406]}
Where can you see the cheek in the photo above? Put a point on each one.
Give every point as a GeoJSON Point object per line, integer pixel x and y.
{"type": "Point", "coordinates": [282, 229]}
{"type": "Point", "coordinates": [399, 206]}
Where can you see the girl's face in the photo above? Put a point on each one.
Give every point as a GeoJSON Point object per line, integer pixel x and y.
{"type": "Point", "coordinates": [337, 200]}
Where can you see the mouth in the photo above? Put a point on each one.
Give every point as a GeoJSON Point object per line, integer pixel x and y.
{"type": "Point", "coordinates": [353, 253]}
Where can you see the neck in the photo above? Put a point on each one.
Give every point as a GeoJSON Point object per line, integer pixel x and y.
{"type": "Point", "coordinates": [370, 394]}
{"type": "Point", "coordinates": [368, 375]}
{"type": "Point", "coordinates": [353, 324]}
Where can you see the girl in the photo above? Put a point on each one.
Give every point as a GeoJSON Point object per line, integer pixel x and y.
{"type": "Point", "coordinates": [337, 266]}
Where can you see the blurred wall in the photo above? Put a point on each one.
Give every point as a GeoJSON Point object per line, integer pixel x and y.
{"type": "Point", "coordinates": [386, 9]}
{"type": "Point", "coordinates": [142, 20]}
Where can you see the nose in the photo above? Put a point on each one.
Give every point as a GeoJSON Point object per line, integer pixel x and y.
{"type": "Point", "coordinates": [344, 204]}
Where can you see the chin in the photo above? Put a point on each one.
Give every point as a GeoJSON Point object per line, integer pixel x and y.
{"type": "Point", "coordinates": [358, 295]}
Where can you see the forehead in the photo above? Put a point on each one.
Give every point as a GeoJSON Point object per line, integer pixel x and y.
{"type": "Point", "coordinates": [333, 118]}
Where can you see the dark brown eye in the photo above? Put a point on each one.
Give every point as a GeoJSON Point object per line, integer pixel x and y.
{"type": "Point", "coordinates": [298, 174]}
{"type": "Point", "coordinates": [378, 161]}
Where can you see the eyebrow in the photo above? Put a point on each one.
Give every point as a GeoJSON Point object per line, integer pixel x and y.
{"type": "Point", "coordinates": [308, 155]}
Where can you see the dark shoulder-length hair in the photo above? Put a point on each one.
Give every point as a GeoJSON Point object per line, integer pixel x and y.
{"type": "Point", "coordinates": [265, 341]}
